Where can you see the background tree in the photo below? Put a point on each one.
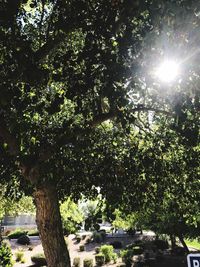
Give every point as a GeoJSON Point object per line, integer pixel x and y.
{"type": "Point", "coordinates": [71, 215]}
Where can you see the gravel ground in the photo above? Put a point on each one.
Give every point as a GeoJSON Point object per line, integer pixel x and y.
{"type": "Point", "coordinates": [73, 246]}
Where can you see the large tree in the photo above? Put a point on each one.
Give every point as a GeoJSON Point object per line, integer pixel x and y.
{"type": "Point", "coordinates": [66, 67]}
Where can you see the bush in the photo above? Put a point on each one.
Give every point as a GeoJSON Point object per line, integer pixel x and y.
{"type": "Point", "coordinates": [103, 234]}
{"type": "Point", "coordinates": [84, 237]}
{"type": "Point", "coordinates": [100, 259]}
{"type": "Point", "coordinates": [138, 250]}
{"type": "Point", "coordinates": [33, 232]}
{"type": "Point", "coordinates": [5, 255]}
{"type": "Point", "coordinates": [161, 244]}
{"type": "Point", "coordinates": [82, 248]}
{"type": "Point", "coordinates": [78, 238]}
{"type": "Point", "coordinates": [39, 259]}
{"type": "Point", "coordinates": [131, 231]}
{"type": "Point", "coordinates": [107, 251]}
{"type": "Point", "coordinates": [23, 240]}
{"type": "Point", "coordinates": [77, 262]}
{"type": "Point", "coordinates": [16, 234]}
{"type": "Point", "coordinates": [88, 262]}
{"type": "Point", "coordinates": [96, 226]}
{"type": "Point", "coordinates": [127, 256]}
{"type": "Point", "coordinates": [97, 237]}
{"type": "Point", "coordinates": [97, 250]}
{"type": "Point", "coordinates": [116, 244]}
{"type": "Point", "coordinates": [19, 255]}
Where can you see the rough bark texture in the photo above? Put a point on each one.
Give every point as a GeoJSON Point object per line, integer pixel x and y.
{"type": "Point", "coordinates": [173, 241]}
{"type": "Point", "coordinates": [50, 227]}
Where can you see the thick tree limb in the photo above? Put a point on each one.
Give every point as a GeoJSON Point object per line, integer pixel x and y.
{"type": "Point", "coordinates": [112, 114]}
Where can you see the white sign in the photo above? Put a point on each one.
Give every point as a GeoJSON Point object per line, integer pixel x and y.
{"type": "Point", "coordinates": [193, 260]}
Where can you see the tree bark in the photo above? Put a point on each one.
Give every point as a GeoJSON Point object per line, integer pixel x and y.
{"type": "Point", "coordinates": [183, 243]}
{"type": "Point", "coordinates": [49, 224]}
{"type": "Point", "coordinates": [173, 241]}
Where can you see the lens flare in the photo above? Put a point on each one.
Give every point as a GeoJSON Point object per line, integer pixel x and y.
{"type": "Point", "coordinates": [168, 71]}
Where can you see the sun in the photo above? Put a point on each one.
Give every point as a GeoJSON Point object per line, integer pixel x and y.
{"type": "Point", "coordinates": [168, 71]}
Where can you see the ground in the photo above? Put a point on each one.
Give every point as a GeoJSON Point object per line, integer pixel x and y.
{"type": "Point", "coordinates": [36, 247]}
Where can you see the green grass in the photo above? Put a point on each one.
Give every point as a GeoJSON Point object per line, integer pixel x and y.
{"type": "Point", "coordinates": [193, 243]}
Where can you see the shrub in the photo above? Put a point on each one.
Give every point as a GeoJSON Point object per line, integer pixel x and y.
{"type": "Point", "coordinates": [19, 255]}
{"type": "Point", "coordinates": [97, 237]}
{"type": "Point", "coordinates": [5, 255]}
{"type": "Point", "coordinates": [16, 234]}
{"type": "Point", "coordinates": [100, 259]}
{"type": "Point", "coordinates": [116, 244]}
{"type": "Point", "coordinates": [103, 234]}
{"type": "Point", "coordinates": [161, 244]}
{"type": "Point", "coordinates": [88, 262]}
{"type": "Point", "coordinates": [131, 231]}
{"type": "Point", "coordinates": [83, 237]}
{"type": "Point", "coordinates": [137, 250]}
{"type": "Point", "coordinates": [107, 251]}
{"type": "Point", "coordinates": [78, 238]}
{"type": "Point", "coordinates": [96, 226]}
{"type": "Point", "coordinates": [23, 240]}
{"type": "Point", "coordinates": [34, 232]}
{"type": "Point", "coordinates": [76, 262]}
{"type": "Point", "coordinates": [82, 248]}
{"type": "Point", "coordinates": [88, 240]}
{"type": "Point", "coordinates": [39, 259]}
{"type": "Point", "coordinates": [97, 250]}
{"type": "Point", "coordinates": [127, 256]}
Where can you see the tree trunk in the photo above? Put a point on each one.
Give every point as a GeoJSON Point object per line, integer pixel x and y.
{"type": "Point", "coordinates": [173, 241]}
{"type": "Point", "coordinates": [49, 224]}
{"type": "Point", "coordinates": [183, 243]}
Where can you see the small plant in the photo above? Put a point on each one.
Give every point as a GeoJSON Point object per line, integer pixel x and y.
{"type": "Point", "coordinates": [108, 252]}
{"type": "Point", "coordinates": [16, 234]}
{"type": "Point", "coordinates": [39, 259]}
{"type": "Point", "coordinates": [84, 237]}
{"type": "Point", "coordinates": [127, 256]}
{"type": "Point", "coordinates": [138, 250]}
{"type": "Point", "coordinates": [100, 259]}
{"type": "Point", "coordinates": [88, 263]}
{"type": "Point", "coordinates": [23, 240]}
{"type": "Point", "coordinates": [19, 255]}
{"type": "Point", "coordinates": [97, 237]}
{"type": "Point", "coordinates": [78, 238]}
{"type": "Point", "coordinates": [77, 262]}
{"type": "Point", "coordinates": [5, 255]}
{"type": "Point", "coordinates": [97, 250]}
{"type": "Point", "coordinates": [88, 240]}
{"type": "Point", "coordinates": [81, 247]}
{"type": "Point", "coordinates": [103, 234]}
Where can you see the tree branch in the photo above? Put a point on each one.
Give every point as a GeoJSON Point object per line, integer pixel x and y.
{"type": "Point", "coordinates": [112, 114]}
